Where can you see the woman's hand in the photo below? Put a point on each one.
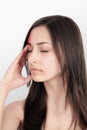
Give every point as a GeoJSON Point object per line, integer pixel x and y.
{"type": "Point", "coordinates": [13, 77]}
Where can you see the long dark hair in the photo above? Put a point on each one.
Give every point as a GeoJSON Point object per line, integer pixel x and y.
{"type": "Point", "coordinates": [65, 35]}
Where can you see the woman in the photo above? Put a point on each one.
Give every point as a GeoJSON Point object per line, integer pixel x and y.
{"type": "Point", "coordinates": [54, 58]}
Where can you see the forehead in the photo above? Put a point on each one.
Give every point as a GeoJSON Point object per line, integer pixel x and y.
{"type": "Point", "coordinates": [39, 34]}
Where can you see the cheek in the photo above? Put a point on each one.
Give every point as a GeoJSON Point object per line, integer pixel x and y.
{"type": "Point", "coordinates": [51, 64]}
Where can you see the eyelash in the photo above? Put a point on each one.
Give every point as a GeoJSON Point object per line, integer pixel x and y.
{"type": "Point", "coordinates": [44, 51]}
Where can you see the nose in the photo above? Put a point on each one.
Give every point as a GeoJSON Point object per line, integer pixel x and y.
{"type": "Point", "coordinates": [33, 57]}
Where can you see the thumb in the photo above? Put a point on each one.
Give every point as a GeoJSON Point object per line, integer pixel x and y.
{"type": "Point", "coordinates": [27, 79]}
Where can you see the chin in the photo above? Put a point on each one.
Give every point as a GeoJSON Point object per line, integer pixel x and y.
{"type": "Point", "coordinates": [37, 79]}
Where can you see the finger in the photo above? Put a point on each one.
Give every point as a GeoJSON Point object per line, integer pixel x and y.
{"type": "Point", "coordinates": [27, 79]}
{"type": "Point", "coordinates": [26, 47]}
{"type": "Point", "coordinates": [21, 58]}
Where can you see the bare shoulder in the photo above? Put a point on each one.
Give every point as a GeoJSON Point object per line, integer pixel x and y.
{"type": "Point", "coordinates": [13, 114]}
{"type": "Point", "coordinates": [16, 107]}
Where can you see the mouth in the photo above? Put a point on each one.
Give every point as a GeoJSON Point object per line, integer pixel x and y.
{"type": "Point", "coordinates": [34, 70]}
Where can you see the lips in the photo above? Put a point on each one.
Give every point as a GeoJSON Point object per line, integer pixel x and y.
{"type": "Point", "coordinates": [34, 69]}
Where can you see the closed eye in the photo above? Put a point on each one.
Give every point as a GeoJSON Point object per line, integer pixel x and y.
{"type": "Point", "coordinates": [44, 51]}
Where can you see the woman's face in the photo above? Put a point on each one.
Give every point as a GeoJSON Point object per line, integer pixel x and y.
{"type": "Point", "coordinates": [43, 63]}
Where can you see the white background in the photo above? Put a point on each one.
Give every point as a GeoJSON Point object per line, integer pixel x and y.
{"type": "Point", "coordinates": [16, 16]}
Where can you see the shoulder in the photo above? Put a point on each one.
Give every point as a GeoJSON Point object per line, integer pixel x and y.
{"type": "Point", "coordinates": [13, 114]}
{"type": "Point", "coordinates": [15, 108]}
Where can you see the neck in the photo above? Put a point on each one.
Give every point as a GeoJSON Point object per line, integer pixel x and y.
{"type": "Point", "coordinates": [56, 93]}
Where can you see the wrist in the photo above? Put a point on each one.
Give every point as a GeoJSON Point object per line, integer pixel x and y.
{"type": "Point", "coordinates": [4, 86]}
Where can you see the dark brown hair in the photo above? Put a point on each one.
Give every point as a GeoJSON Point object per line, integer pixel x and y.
{"type": "Point", "coordinates": [65, 34]}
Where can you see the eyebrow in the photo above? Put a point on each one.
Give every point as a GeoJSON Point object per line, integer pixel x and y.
{"type": "Point", "coordinates": [41, 43]}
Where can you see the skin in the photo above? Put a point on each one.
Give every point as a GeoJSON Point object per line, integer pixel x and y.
{"type": "Point", "coordinates": [44, 67]}
{"type": "Point", "coordinates": [12, 114]}
{"type": "Point", "coordinates": [41, 56]}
